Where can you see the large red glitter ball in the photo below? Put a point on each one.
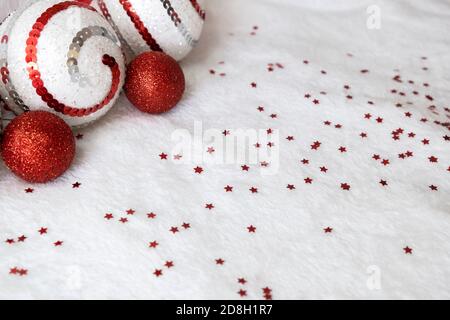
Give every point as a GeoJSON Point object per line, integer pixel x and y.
{"type": "Point", "coordinates": [155, 82]}
{"type": "Point", "coordinates": [38, 146]}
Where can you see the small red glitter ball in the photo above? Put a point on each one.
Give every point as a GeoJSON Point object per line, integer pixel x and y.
{"type": "Point", "coordinates": [155, 82]}
{"type": "Point", "coordinates": [38, 146]}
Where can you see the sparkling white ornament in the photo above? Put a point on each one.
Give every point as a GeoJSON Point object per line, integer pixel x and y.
{"type": "Point", "coordinates": [63, 57]}
{"type": "Point", "coordinates": [171, 26]}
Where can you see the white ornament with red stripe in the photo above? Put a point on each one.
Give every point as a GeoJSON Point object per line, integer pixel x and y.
{"type": "Point", "coordinates": [62, 57]}
{"type": "Point", "coordinates": [171, 26]}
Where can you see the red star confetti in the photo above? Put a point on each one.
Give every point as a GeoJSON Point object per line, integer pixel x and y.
{"type": "Point", "coordinates": [407, 250]}
{"type": "Point", "coordinates": [316, 145]}
{"type": "Point", "coordinates": [198, 170]}
{"type": "Point", "coordinates": [186, 225]}
{"type": "Point", "coordinates": [153, 244]}
{"type": "Point", "coordinates": [345, 186]}
{"type": "Point", "coordinates": [163, 156]}
{"type": "Point", "coordinates": [308, 180]}
{"type": "Point", "coordinates": [18, 271]}
{"type": "Point", "coordinates": [242, 292]}
{"type": "Point", "coordinates": [123, 220]}
{"type": "Point", "coordinates": [158, 272]}
{"type": "Point", "coordinates": [109, 216]}
{"type": "Point", "coordinates": [253, 190]}
{"type": "Point", "coordinates": [433, 159]}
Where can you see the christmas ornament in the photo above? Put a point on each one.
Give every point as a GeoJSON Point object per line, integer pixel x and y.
{"type": "Point", "coordinates": [155, 82]}
{"type": "Point", "coordinates": [170, 26]}
{"type": "Point", "coordinates": [38, 146]}
{"type": "Point", "coordinates": [62, 57]}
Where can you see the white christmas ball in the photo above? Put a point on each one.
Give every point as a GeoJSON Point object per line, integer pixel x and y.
{"type": "Point", "coordinates": [171, 26]}
{"type": "Point", "coordinates": [63, 57]}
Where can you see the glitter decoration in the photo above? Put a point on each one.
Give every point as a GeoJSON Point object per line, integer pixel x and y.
{"type": "Point", "coordinates": [155, 82]}
{"type": "Point", "coordinates": [171, 26]}
{"type": "Point", "coordinates": [38, 146]}
{"type": "Point", "coordinates": [86, 91]}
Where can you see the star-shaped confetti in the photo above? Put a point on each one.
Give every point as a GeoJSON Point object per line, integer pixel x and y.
{"type": "Point", "coordinates": [76, 185]}
{"type": "Point", "coordinates": [198, 170]}
{"type": "Point", "coordinates": [407, 250]}
{"type": "Point", "coordinates": [345, 186]}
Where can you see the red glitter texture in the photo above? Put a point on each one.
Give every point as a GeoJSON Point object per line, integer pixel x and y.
{"type": "Point", "coordinates": [38, 146]}
{"type": "Point", "coordinates": [155, 82]}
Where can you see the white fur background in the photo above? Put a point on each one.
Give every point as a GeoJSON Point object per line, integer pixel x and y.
{"type": "Point", "coordinates": [119, 168]}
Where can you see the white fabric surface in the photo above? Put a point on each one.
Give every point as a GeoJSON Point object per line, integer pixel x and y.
{"type": "Point", "coordinates": [119, 168]}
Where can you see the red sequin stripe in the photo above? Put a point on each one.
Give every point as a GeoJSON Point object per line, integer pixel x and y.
{"type": "Point", "coordinates": [35, 75]}
{"type": "Point", "coordinates": [143, 31]}
{"type": "Point", "coordinates": [107, 15]}
{"type": "Point", "coordinates": [199, 9]}
{"type": "Point", "coordinates": [4, 72]}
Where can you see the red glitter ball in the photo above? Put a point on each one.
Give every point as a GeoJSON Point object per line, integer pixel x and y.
{"type": "Point", "coordinates": [155, 82]}
{"type": "Point", "coordinates": [38, 146]}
